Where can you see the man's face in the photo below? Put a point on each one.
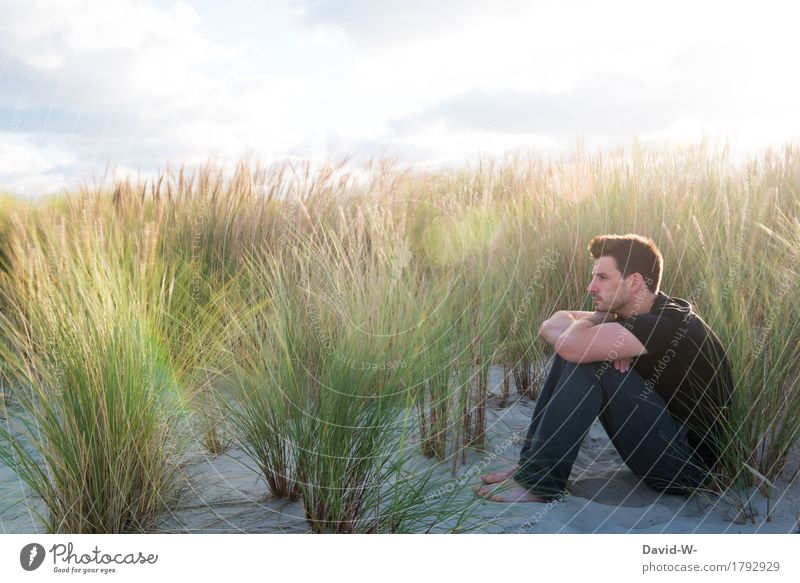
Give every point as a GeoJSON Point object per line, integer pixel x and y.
{"type": "Point", "coordinates": [608, 289]}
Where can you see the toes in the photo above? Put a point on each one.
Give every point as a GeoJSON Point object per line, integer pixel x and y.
{"type": "Point", "coordinates": [480, 490]}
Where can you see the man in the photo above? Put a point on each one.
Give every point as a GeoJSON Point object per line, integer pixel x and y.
{"type": "Point", "coordinates": [644, 363]}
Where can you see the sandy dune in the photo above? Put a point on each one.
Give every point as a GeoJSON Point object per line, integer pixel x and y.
{"type": "Point", "coordinates": [222, 495]}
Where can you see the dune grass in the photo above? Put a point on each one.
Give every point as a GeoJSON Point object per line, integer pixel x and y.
{"type": "Point", "coordinates": [93, 434]}
{"type": "Point", "coordinates": [337, 323]}
{"type": "Point", "coordinates": [322, 394]}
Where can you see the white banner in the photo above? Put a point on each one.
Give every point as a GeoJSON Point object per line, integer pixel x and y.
{"type": "Point", "coordinates": [489, 558]}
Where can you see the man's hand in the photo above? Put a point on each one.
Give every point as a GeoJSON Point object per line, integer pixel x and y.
{"type": "Point", "coordinates": [555, 326]}
{"type": "Point", "coordinates": [598, 318]}
{"type": "Point", "coordinates": [561, 318]}
{"type": "Point", "coordinates": [623, 364]}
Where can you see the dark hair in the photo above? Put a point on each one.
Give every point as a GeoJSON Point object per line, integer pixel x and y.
{"type": "Point", "coordinates": [633, 254]}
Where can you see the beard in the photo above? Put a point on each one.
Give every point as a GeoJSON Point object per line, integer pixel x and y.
{"type": "Point", "coordinates": [602, 305]}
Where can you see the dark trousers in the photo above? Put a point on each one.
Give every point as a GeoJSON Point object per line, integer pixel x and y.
{"type": "Point", "coordinates": [653, 444]}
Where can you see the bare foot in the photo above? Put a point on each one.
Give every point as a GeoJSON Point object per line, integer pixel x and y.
{"type": "Point", "coordinates": [496, 477]}
{"type": "Point", "coordinates": [508, 491]}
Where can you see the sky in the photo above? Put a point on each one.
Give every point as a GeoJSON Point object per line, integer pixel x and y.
{"type": "Point", "coordinates": [123, 87]}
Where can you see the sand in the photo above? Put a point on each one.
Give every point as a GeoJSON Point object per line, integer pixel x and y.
{"type": "Point", "coordinates": [222, 495]}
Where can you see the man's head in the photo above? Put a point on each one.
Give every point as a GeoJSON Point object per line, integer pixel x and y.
{"type": "Point", "coordinates": [626, 273]}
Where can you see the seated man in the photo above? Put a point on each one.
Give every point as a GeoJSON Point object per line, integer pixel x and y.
{"type": "Point", "coordinates": [644, 363]}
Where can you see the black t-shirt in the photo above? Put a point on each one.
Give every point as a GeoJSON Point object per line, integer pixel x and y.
{"type": "Point", "coordinates": [686, 364]}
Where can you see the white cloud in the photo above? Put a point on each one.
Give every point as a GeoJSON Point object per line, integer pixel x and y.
{"type": "Point", "coordinates": [140, 85]}
{"type": "Point", "coordinates": [28, 169]}
{"type": "Point", "coordinates": [694, 87]}
{"type": "Point", "coordinates": [125, 52]}
{"type": "Point", "coordinates": [374, 25]}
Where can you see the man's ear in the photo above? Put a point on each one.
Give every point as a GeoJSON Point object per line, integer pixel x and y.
{"type": "Point", "coordinates": [637, 282]}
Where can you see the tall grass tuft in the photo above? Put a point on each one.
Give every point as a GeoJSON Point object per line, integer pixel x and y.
{"type": "Point", "coordinates": [349, 389]}
{"type": "Point", "coordinates": [94, 433]}
{"type": "Point", "coordinates": [263, 385]}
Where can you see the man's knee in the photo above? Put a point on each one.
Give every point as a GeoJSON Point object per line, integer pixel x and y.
{"type": "Point", "coordinates": [558, 359]}
{"type": "Point", "coordinates": [629, 382]}
{"type": "Point", "coordinates": [577, 369]}
{"type": "Point", "coordinates": [598, 371]}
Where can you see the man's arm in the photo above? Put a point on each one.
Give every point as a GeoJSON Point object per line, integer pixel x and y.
{"type": "Point", "coordinates": [552, 328]}
{"type": "Point", "coordinates": [577, 314]}
{"type": "Point", "coordinates": [597, 338]}
{"type": "Point", "coordinates": [560, 322]}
